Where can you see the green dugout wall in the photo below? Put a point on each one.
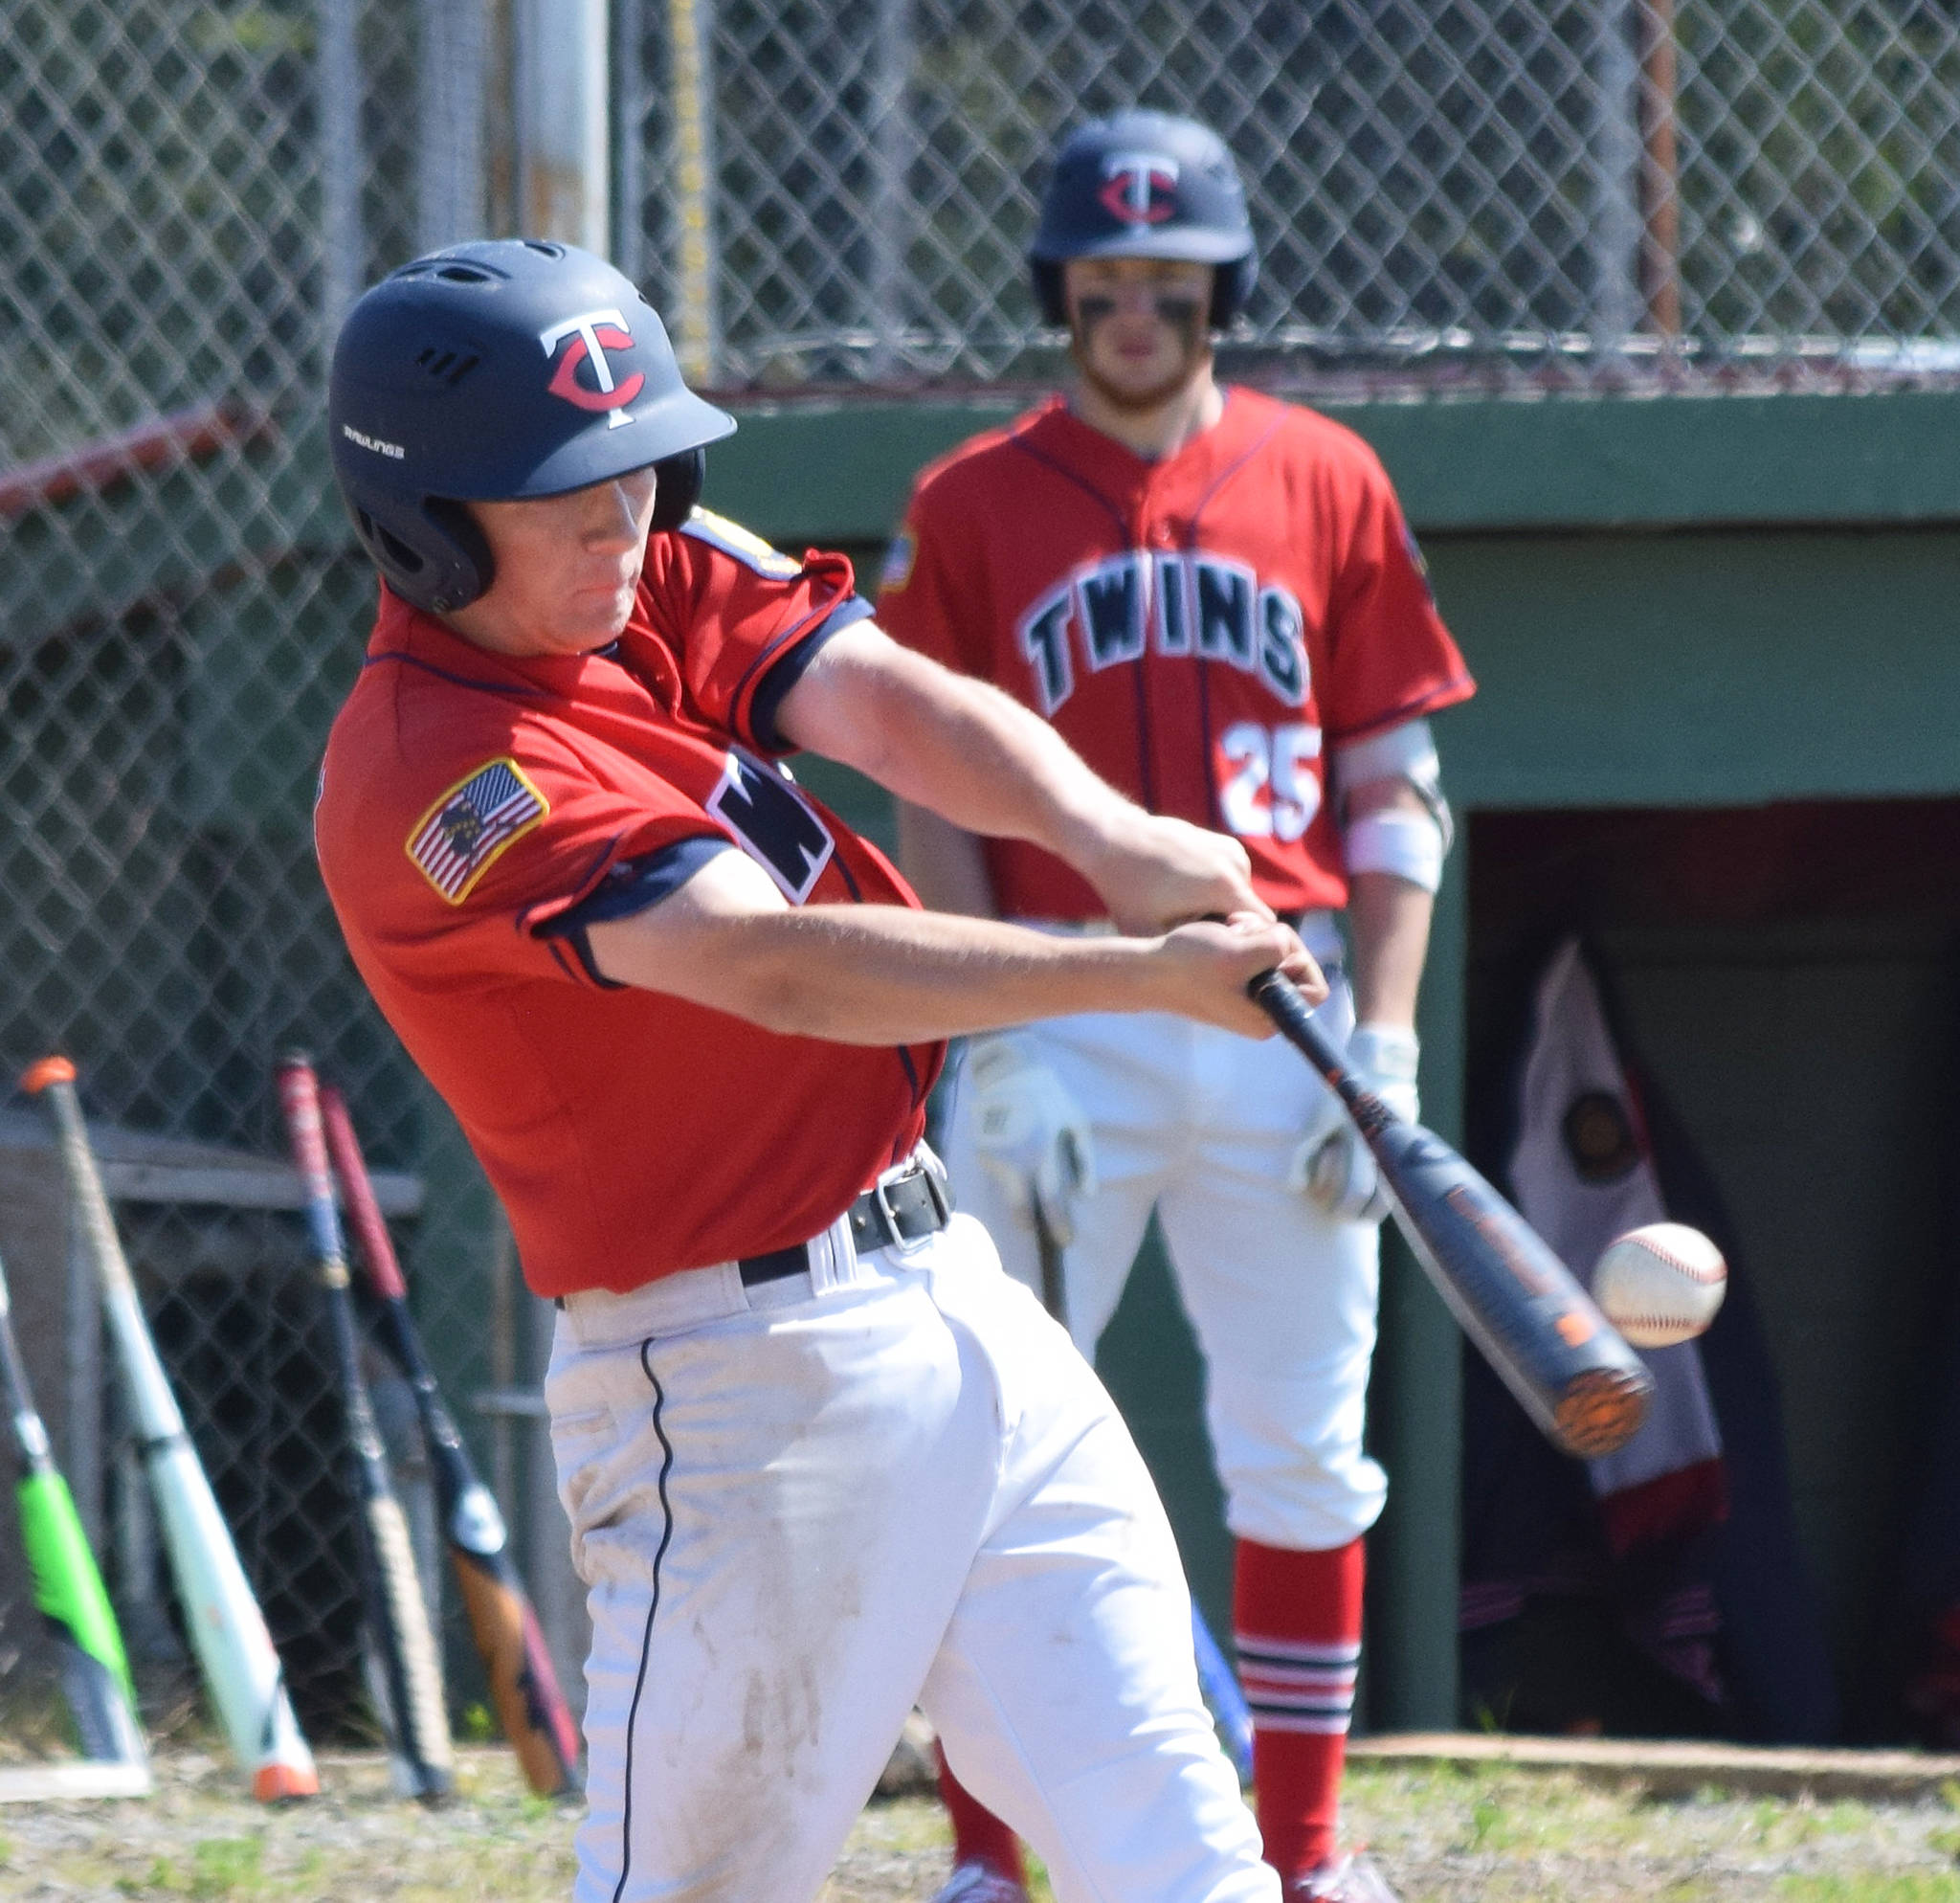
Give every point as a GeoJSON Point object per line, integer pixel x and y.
{"type": "Point", "coordinates": [1716, 644]}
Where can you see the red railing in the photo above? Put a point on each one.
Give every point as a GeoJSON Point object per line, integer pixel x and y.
{"type": "Point", "coordinates": [164, 443]}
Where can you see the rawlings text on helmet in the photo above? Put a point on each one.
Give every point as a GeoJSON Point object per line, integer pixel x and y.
{"type": "Point", "coordinates": [375, 444]}
{"type": "Point", "coordinates": [593, 333]}
{"type": "Point", "coordinates": [1139, 188]}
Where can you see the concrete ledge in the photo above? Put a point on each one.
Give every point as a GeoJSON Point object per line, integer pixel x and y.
{"type": "Point", "coordinates": [831, 470]}
{"type": "Point", "coordinates": [1671, 1768]}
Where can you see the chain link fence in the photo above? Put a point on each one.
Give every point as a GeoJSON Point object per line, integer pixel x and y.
{"type": "Point", "coordinates": [1570, 191]}
{"type": "Point", "coordinates": [821, 197]}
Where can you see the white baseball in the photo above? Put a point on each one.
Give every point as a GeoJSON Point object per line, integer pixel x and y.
{"type": "Point", "coordinates": [1660, 1284]}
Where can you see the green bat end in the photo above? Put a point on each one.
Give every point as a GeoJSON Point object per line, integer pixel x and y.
{"type": "Point", "coordinates": [68, 1589]}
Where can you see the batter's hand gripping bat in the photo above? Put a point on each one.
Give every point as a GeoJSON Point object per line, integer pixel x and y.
{"type": "Point", "coordinates": [1521, 1306]}
{"type": "Point", "coordinates": [523, 1686]}
{"type": "Point", "coordinates": [234, 1651]}
{"type": "Point", "coordinates": [68, 1589]}
{"type": "Point", "coordinates": [411, 1703]}
{"type": "Point", "coordinates": [1216, 1679]}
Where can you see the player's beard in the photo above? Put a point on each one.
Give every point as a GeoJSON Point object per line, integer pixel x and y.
{"type": "Point", "coordinates": [1185, 316]}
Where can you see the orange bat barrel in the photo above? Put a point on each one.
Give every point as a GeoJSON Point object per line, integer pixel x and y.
{"type": "Point", "coordinates": [1571, 1370]}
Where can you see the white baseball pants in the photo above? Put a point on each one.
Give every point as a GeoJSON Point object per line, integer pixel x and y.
{"type": "Point", "coordinates": [802, 1507]}
{"type": "Point", "coordinates": [1200, 1125]}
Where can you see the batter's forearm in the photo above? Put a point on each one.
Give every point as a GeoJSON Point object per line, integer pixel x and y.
{"type": "Point", "coordinates": [885, 974]}
{"type": "Point", "coordinates": [1387, 923]}
{"type": "Point", "coordinates": [876, 975]}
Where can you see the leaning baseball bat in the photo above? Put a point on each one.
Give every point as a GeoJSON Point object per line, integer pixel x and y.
{"type": "Point", "coordinates": [234, 1651]}
{"type": "Point", "coordinates": [410, 1672]}
{"type": "Point", "coordinates": [1216, 1680]}
{"type": "Point", "coordinates": [1520, 1305]}
{"type": "Point", "coordinates": [68, 1589]}
{"type": "Point", "coordinates": [523, 1686]}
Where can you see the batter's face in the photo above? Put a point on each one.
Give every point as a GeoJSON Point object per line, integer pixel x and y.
{"type": "Point", "coordinates": [1138, 326]}
{"type": "Point", "coordinates": [566, 568]}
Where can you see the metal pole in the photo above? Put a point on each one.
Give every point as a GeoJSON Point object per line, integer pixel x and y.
{"type": "Point", "coordinates": [565, 143]}
{"type": "Point", "coordinates": [696, 315]}
{"type": "Point", "coordinates": [891, 132]}
{"type": "Point", "coordinates": [448, 160]}
{"type": "Point", "coordinates": [1616, 225]}
{"type": "Point", "coordinates": [1659, 175]}
{"type": "Point", "coordinates": [629, 138]}
{"type": "Point", "coordinates": [342, 249]}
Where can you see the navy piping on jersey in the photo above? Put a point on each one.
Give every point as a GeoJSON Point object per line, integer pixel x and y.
{"type": "Point", "coordinates": [1410, 709]}
{"type": "Point", "coordinates": [517, 689]}
{"type": "Point", "coordinates": [1146, 777]}
{"type": "Point", "coordinates": [1082, 482]}
{"type": "Point", "coordinates": [630, 887]}
{"type": "Point", "coordinates": [646, 1643]}
{"type": "Point", "coordinates": [789, 670]}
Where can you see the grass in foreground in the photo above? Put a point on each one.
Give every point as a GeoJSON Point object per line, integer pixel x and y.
{"type": "Point", "coordinates": [1444, 1836]}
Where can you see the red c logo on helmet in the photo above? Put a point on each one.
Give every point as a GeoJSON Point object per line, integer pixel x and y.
{"type": "Point", "coordinates": [1139, 188]}
{"type": "Point", "coordinates": [591, 334]}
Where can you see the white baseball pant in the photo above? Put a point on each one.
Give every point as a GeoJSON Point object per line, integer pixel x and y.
{"type": "Point", "coordinates": [802, 1507]}
{"type": "Point", "coordinates": [1200, 1125]}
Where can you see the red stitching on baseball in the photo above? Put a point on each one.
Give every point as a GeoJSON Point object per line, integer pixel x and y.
{"type": "Point", "coordinates": [1694, 1271]}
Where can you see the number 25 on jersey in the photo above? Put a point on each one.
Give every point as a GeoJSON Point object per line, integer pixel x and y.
{"type": "Point", "coordinates": [1269, 779]}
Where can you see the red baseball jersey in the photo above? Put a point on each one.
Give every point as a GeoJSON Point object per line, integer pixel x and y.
{"type": "Point", "coordinates": [468, 801]}
{"type": "Point", "coordinates": [1201, 629]}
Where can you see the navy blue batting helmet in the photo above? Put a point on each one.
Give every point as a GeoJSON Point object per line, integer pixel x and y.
{"type": "Point", "coordinates": [1142, 183]}
{"type": "Point", "coordinates": [493, 371]}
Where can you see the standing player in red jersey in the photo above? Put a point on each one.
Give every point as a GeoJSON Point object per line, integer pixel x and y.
{"type": "Point", "coordinates": [822, 1459]}
{"type": "Point", "coordinates": [1214, 598]}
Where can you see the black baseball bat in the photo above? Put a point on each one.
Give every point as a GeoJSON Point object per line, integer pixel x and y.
{"type": "Point", "coordinates": [524, 1684]}
{"type": "Point", "coordinates": [1520, 1305]}
{"type": "Point", "coordinates": [409, 1669]}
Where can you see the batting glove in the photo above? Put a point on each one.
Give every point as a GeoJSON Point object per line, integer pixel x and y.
{"type": "Point", "coordinates": [1030, 1132]}
{"type": "Point", "coordinates": [1332, 1165]}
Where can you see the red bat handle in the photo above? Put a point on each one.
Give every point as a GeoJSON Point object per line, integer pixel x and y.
{"type": "Point", "coordinates": [299, 1099]}
{"type": "Point", "coordinates": [364, 1212]}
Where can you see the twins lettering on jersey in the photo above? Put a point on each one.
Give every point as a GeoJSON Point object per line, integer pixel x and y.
{"type": "Point", "coordinates": [1199, 607]}
{"type": "Point", "coordinates": [1208, 607]}
{"type": "Point", "coordinates": [773, 822]}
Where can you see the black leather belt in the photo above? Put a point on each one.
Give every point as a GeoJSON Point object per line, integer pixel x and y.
{"type": "Point", "coordinates": [901, 1209]}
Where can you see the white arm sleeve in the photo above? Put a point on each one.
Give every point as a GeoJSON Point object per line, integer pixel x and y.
{"type": "Point", "coordinates": [1411, 846]}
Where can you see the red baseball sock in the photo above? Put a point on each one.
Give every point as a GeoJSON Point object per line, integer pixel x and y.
{"type": "Point", "coordinates": [1296, 1619]}
{"type": "Point", "coordinates": [979, 1837]}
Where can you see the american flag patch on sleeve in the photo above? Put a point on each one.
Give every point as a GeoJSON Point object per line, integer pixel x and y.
{"type": "Point", "coordinates": [454, 844]}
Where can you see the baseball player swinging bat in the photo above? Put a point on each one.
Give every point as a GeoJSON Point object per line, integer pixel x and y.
{"type": "Point", "coordinates": [68, 1589]}
{"type": "Point", "coordinates": [410, 1672]}
{"type": "Point", "coordinates": [523, 1686]}
{"type": "Point", "coordinates": [228, 1632]}
{"type": "Point", "coordinates": [1571, 1372]}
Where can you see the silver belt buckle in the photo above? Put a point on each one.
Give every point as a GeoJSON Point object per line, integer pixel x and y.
{"type": "Point", "coordinates": [920, 1163]}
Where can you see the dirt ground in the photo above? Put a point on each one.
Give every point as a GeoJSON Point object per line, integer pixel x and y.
{"type": "Point", "coordinates": [1497, 1836]}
